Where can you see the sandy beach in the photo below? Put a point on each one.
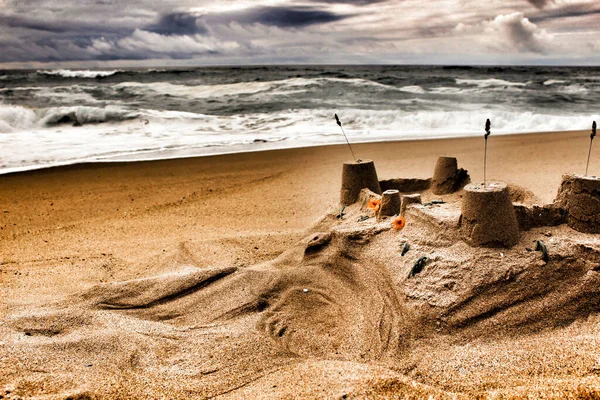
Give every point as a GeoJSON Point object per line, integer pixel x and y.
{"type": "Point", "coordinates": [178, 279]}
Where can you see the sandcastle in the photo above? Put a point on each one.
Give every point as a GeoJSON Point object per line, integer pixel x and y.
{"type": "Point", "coordinates": [390, 203]}
{"type": "Point", "coordinates": [580, 197]}
{"type": "Point", "coordinates": [408, 200]}
{"type": "Point", "coordinates": [488, 218]}
{"type": "Point", "coordinates": [447, 177]}
{"type": "Point", "coordinates": [357, 175]}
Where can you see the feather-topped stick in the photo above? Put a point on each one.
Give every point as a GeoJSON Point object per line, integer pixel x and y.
{"type": "Point", "coordinates": [337, 120]}
{"type": "Point", "coordinates": [488, 126]}
{"type": "Point", "coordinates": [591, 141]}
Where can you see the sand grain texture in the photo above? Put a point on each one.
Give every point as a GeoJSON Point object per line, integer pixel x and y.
{"type": "Point", "coordinates": [234, 277]}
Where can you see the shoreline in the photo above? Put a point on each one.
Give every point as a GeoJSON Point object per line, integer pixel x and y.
{"type": "Point", "coordinates": [128, 159]}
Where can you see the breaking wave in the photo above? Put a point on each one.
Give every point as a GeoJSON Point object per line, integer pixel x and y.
{"type": "Point", "coordinates": [84, 115]}
{"type": "Point", "coordinates": [247, 88]}
{"type": "Point", "coordinates": [401, 125]}
{"type": "Point", "coordinates": [554, 82]}
{"type": "Point", "coordinates": [68, 73]}
{"type": "Point", "coordinates": [15, 118]}
{"type": "Point", "coordinates": [75, 115]}
{"type": "Point", "coordinates": [486, 83]}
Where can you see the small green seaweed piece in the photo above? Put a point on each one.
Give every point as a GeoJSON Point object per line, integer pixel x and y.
{"type": "Point", "coordinates": [342, 213]}
{"type": "Point", "coordinates": [363, 218]}
{"type": "Point", "coordinates": [540, 246]}
{"type": "Point", "coordinates": [418, 266]}
{"type": "Point", "coordinates": [433, 202]}
{"type": "Point", "coordinates": [405, 249]}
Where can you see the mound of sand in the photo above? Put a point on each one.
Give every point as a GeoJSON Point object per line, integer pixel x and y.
{"type": "Point", "coordinates": [340, 314]}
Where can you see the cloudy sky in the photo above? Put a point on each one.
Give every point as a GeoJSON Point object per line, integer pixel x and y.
{"type": "Point", "coordinates": [113, 33]}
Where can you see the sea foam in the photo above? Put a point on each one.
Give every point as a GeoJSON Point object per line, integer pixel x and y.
{"type": "Point", "coordinates": [485, 83]}
{"type": "Point", "coordinates": [70, 115]}
{"type": "Point", "coordinates": [14, 118]}
{"type": "Point", "coordinates": [68, 73]}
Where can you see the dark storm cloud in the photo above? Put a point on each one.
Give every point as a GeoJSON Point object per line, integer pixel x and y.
{"type": "Point", "coordinates": [71, 35]}
{"type": "Point", "coordinates": [291, 17]}
{"type": "Point", "coordinates": [282, 17]}
{"type": "Point", "coordinates": [60, 26]}
{"type": "Point", "coordinates": [244, 31]}
{"type": "Point", "coordinates": [178, 24]}
{"type": "Point", "coordinates": [15, 21]}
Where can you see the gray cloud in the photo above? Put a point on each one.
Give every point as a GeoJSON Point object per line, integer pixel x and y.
{"type": "Point", "coordinates": [291, 17]}
{"type": "Point", "coordinates": [178, 35]}
{"type": "Point", "coordinates": [521, 33]}
{"type": "Point", "coordinates": [227, 31]}
{"type": "Point", "coordinates": [17, 21]}
{"type": "Point", "coordinates": [573, 11]}
{"type": "Point", "coordinates": [178, 24]}
{"type": "Point", "coordinates": [540, 3]}
{"type": "Point", "coordinates": [512, 33]}
{"type": "Point", "coordinates": [283, 17]}
{"type": "Point", "coordinates": [60, 26]}
{"type": "Point", "coordinates": [354, 2]}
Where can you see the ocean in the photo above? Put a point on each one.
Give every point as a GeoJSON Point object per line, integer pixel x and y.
{"type": "Point", "coordinates": [58, 117]}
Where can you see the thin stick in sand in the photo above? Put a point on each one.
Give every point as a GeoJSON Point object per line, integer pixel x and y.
{"type": "Point", "coordinates": [337, 120]}
{"type": "Point", "coordinates": [590, 152]}
{"type": "Point", "coordinates": [488, 125]}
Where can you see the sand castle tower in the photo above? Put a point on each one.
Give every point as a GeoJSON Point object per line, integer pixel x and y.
{"type": "Point", "coordinates": [447, 178]}
{"type": "Point", "coordinates": [357, 175]}
{"type": "Point", "coordinates": [390, 203]}
{"type": "Point", "coordinates": [488, 218]}
{"type": "Point", "coordinates": [407, 200]}
{"type": "Point", "coordinates": [580, 196]}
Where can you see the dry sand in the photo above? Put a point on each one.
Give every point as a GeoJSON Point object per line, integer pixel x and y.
{"type": "Point", "coordinates": [232, 277]}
